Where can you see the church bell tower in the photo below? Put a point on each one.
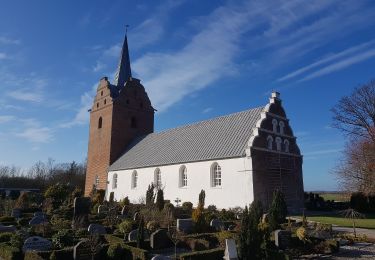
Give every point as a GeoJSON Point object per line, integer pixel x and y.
{"type": "Point", "coordinates": [120, 113]}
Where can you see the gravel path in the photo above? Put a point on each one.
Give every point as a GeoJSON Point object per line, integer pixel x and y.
{"type": "Point", "coordinates": [356, 251]}
{"type": "Point", "coordinates": [370, 233]}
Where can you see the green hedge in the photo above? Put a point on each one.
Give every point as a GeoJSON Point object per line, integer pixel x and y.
{"type": "Point", "coordinates": [123, 251]}
{"type": "Point", "coordinates": [37, 255]}
{"type": "Point", "coordinates": [8, 252]}
{"type": "Point", "coordinates": [62, 254]}
{"type": "Point", "coordinates": [212, 254]}
{"type": "Point", "coordinates": [7, 219]}
{"type": "Point", "coordinates": [5, 237]}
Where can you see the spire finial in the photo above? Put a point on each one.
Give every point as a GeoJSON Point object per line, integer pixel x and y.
{"type": "Point", "coordinates": [126, 29]}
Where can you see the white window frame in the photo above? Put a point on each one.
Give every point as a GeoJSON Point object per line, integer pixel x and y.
{"type": "Point", "coordinates": [134, 180]}
{"type": "Point", "coordinates": [157, 178]}
{"type": "Point", "coordinates": [274, 125]}
{"type": "Point", "coordinates": [286, 146]}
{"type": "Point", "coordinates": [282, 126]}
{"type": "Point", "coordinates": [183, 181]}
{"type": "Point", "coordinates": [269, 142]}
{"type": "Point", "coordinates": [114, 181]}
{"type": "Point", "coordinates": [96, 183]}
{"type": "Point", "coordinates": [278, 144]}
{"type": "Point", "coordinates": [216, 176]}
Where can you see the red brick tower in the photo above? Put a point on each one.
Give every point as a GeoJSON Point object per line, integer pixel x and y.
{"type": "Point", "coordinates": [120, 112]}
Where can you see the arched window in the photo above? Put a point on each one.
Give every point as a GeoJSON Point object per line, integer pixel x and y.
{"type": "Point", "coordinates": [96, 181]}
{"type": "Point", "coordinates": [157, 178]}
{"type": "Point", "coordinates": [282, 125]}
{"type": "Point", "coordinates": [134, 180]}
{"type": "Point", "coordinates": [215, 175]}
{"type": "Point", "coordinates": [114, 181]}
{"type": "Point", "coordinates": [278, 143]}
{"type": "Point", "coordinates": [269, 142]}
{"type": "Point", "coordinates": [100, 122]}
{"type": "Point", "coordinates": [286, 145]}
{"type": "Point", "coordinates": [183, 176]}
{"type": "Point", "coordinates": [274, 125]}
{"type": "Point", "coordinates": [133, 122]}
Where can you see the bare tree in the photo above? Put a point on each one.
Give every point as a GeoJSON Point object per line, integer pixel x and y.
{"type": "Point", "coordinates": [355, 114]}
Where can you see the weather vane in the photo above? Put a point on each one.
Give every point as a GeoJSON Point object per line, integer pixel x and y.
{"type": "Point", "coordinates": [126, 28]}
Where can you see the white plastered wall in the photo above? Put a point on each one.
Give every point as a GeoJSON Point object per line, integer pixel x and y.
{"type": "Point", "coordinates": [236, 187]}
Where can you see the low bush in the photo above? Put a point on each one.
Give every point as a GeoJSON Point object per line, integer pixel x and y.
{"type": "Point", "coordinates": [126, 226]}
{"type": "Point", "coordinates": [5, 237]}
{"type": "Point", "coordinates": [7, 219]}
{"type": "Point", "coordinates": [187, 205]}
{"type": "Point", "coordinates": [152, 226]}
{"type": "Point", "coordinates": [62, 254]}
{"type": "Point", "coordinates": [8, 252]}
{"type": "Point", "coordinates": [63, 238]}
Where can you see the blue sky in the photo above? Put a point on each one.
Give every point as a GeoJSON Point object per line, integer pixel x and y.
{"type": "Point", "coordinates": [197, 60]}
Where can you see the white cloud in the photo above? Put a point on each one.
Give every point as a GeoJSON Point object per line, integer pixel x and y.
{"type": "Point", "coordinates": [5, 119]}
{"type": "Point", "coordinates": [3, 56]}
{"type": "Point", "coordinates": [206, 110]}
{"type": "Point", "coordinates": [323, 152]}
{"type": "Point", "coordinates": [7, 40]}
{"type": "Point", "coordinates": [37, 134]}
{"type": "Point", "coordinates": [25, 95]}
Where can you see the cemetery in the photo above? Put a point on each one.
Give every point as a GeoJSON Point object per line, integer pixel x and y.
{"type": "Point", "coordinates": [62, 224]}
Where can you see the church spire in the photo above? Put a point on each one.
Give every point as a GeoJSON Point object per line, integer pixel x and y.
{"type": "Point", "coordinates": [123, 70]}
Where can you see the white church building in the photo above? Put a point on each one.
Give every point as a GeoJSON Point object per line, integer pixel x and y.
{"type": "Point", "coordinates": [236, 158]}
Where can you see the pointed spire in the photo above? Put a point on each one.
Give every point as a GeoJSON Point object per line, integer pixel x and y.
{"type": "Point", "coordinates": [124, 71]}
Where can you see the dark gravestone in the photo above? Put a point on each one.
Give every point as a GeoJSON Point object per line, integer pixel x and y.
{"type": "Point", "coordinates": [282, 238]}
{"type": "Point", "coordinates": [7, 228]}
{"type": "Point", "coordinates": [161, 257]}
{"type": "Point", "coordinates": [159, 240]}
{"type": "Point", "coordinates": [136, 217]}
{"type": "Point", "coordinates": [96, 229]}
{"type": "Point", "coordinates": [185, 225]}
{"type": "Point", "coordinates": [102, 209]}
{"type": "Point", "coordinates": [231, 227]}
{"type": "Point", "coordinates": [16, 213]}
{"type": "Point", "coordinates": [125, 210]}
{"type": "Point", "coordinates": [82, 251]}
{"type": "Point", "coordinates": [38, 220]}
{"type": "Point", "coordinates": [230, 252]}
{"type": "Point", "coordinates": [217, 224]}
{"type": "Point", "coordinates": [133, 235]}
{"type": "Point", "coordinates": [39, 214]}
{"type": "Point", "coordinates": [36, 243]}
{"type": "Point", "coordinates": [81, 212]}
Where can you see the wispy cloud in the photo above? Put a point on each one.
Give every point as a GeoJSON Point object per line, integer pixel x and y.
{"type": "Point", "coordinates": [323, 152]}
{"type": "Point", "coordinates": [25, 95]}
{"type": "Point", "coordinates": [3, 56]}
{"type": "Point", "coordinates": [7, 40]}
{"type": "Point", "coordinates": [207, 110]}
{"type": "Point", "coordinates": [37, 134]}
{"type": "Point", "coordinates": [5, 119]}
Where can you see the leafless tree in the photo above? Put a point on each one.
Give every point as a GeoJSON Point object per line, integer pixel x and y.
{"type": "Point", "coordinates": [355, 116]}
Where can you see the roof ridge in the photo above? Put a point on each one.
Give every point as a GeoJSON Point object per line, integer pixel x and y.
{"type": "Point", "coordinates": [206, 120]}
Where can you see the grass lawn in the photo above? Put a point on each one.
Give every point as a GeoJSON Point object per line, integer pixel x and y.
{"type": "Point", "coordinates": [343, 197]}
{"type": "Point", "coordinates": [337, 219]}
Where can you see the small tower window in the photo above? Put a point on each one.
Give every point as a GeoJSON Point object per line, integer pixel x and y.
{"type": "Point", "coordinates": [269, 142]}
{"type": "Point", "coordinates": [100, 123]}
{"type": "Point", "coordinates": [274, 125]}
{"type": "Point", "coordinates": [101, 93]}
{"type": "Point", "coordinates": [215, 175]}
{"type": "Point", "coordinates": [133, 122]}
{"type": "Point", "coordinates": [282, 125]}
{"type": "Point", "coordinates": [286, 145]}
{"type": "Point", "coordinates": [157, 178]}
{"type": "Point", "coordinates": [114, 181]}
{"type": "Point", "coordinates": [134, 180]}
{"type": "Point", "coordinates": [105, 101]}
{"type": "Point", "coordinates": [183, 176]}
{"type": "Point", "coordinates": [97, 104]}
{"type": "Point", "coordinates": [278, 144]}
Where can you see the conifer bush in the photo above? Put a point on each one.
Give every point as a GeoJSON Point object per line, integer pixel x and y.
{"type": "Point", "coordinates": [278, 210]}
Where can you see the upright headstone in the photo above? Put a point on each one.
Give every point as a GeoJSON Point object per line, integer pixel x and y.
{"type": "Point", "coordinates": [265, 218]}
{"type": "Point", "coordinates": [36, 243]}
{"type": "Point", "coordinates": [133, 235]}
{"type": "Point", "coordinates": [217, 224]}
{"type": "Point", "coordinates": [39, 214]}
{"type": "Point", "coordinates": [125, 210]}
{"type": "Point", "coordinates": [102, 209]}
{"type": "Point", "coordinates": [16, 213]}
{"type": "Point", "coordinates": [136, 216]}
{"type": "Point", "coordinates": [282, 238]}
{"type": "Point", "coordinates": [230, 252]}
{"type": "Point", "coordinates": [82, 251]}
{"type": "Point", "coordinates": [38, 220]}
{"type": "Point", "coordinates": [81, 212]}
{"type": "Point", "coordinates": [161, 257]}
{"type": "Point", "coordinates": [160, 239]}
{"type": "Point", "coordinates": [96, 229]}
{"type": "Point", "coordinates": [7, 228]}
{"type": "Point", "coordinates": [185, 225]}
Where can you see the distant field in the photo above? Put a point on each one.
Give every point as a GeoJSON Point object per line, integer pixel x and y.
{"type": "Point", "coordinates": [338, 219]}
{"type": "Point", "coordinates": [336, 196]}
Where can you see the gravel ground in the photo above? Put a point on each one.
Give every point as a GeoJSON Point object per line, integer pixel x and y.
{"type": "Point", "coordinates": [356, 251]}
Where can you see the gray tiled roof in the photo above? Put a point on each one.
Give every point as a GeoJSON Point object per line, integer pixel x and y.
{"type": "Point", "coordinates": [217, 138]}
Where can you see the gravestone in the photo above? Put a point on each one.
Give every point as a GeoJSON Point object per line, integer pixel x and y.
{"type": "Point", "coordinates": [230, 252]}
{"type": "Point", "coordinates": [82, 251]}
{"type": "Point", "coordinates": [102, 209]}
{"type": "Point", "coordinates": [185, 225]}
{"type": "Point", "coordinates": [36, 243]}
{"type": "Point", "coordinates": [159, 239]}
{"type": "Point", "coordinates": [136, 217]}
{"type": "Point", "coordinates": [16, 213]}
{"type": "Point", "coordinates": [231, 227]}
{"type": "Point", "coordinates": [282, 238]}
{"type": "Point", "coordinates": [96, 229]}
{"type": "Point", "coordinates": [7, 228]}
{"type": "Point", "coordinates": [133, 235]}
{"type": "Point", "coordinates": [217, 224]}
{"type": "Point", "coordinates": [38, 220]}
{"type": "Point", "coordinates": [81, 212]}
{"type": "Point", "coordinates": [39, 214]}
{"type": "Point", "coordinates": [265, 218]}
{"type": "Point", "coordinates": [125, 210]}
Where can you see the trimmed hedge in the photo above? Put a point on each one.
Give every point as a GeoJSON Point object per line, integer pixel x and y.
{"type": "Point", "coordinates": [5, 237]}
{"type": "Point", "coordinates": [8, 252]}
{"type": "Point", "coordinates": [212, 254]}
{"type": "Point", "coordinates": [62, 254]}
{"type": "Point", "coordinates": [37, 255]}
